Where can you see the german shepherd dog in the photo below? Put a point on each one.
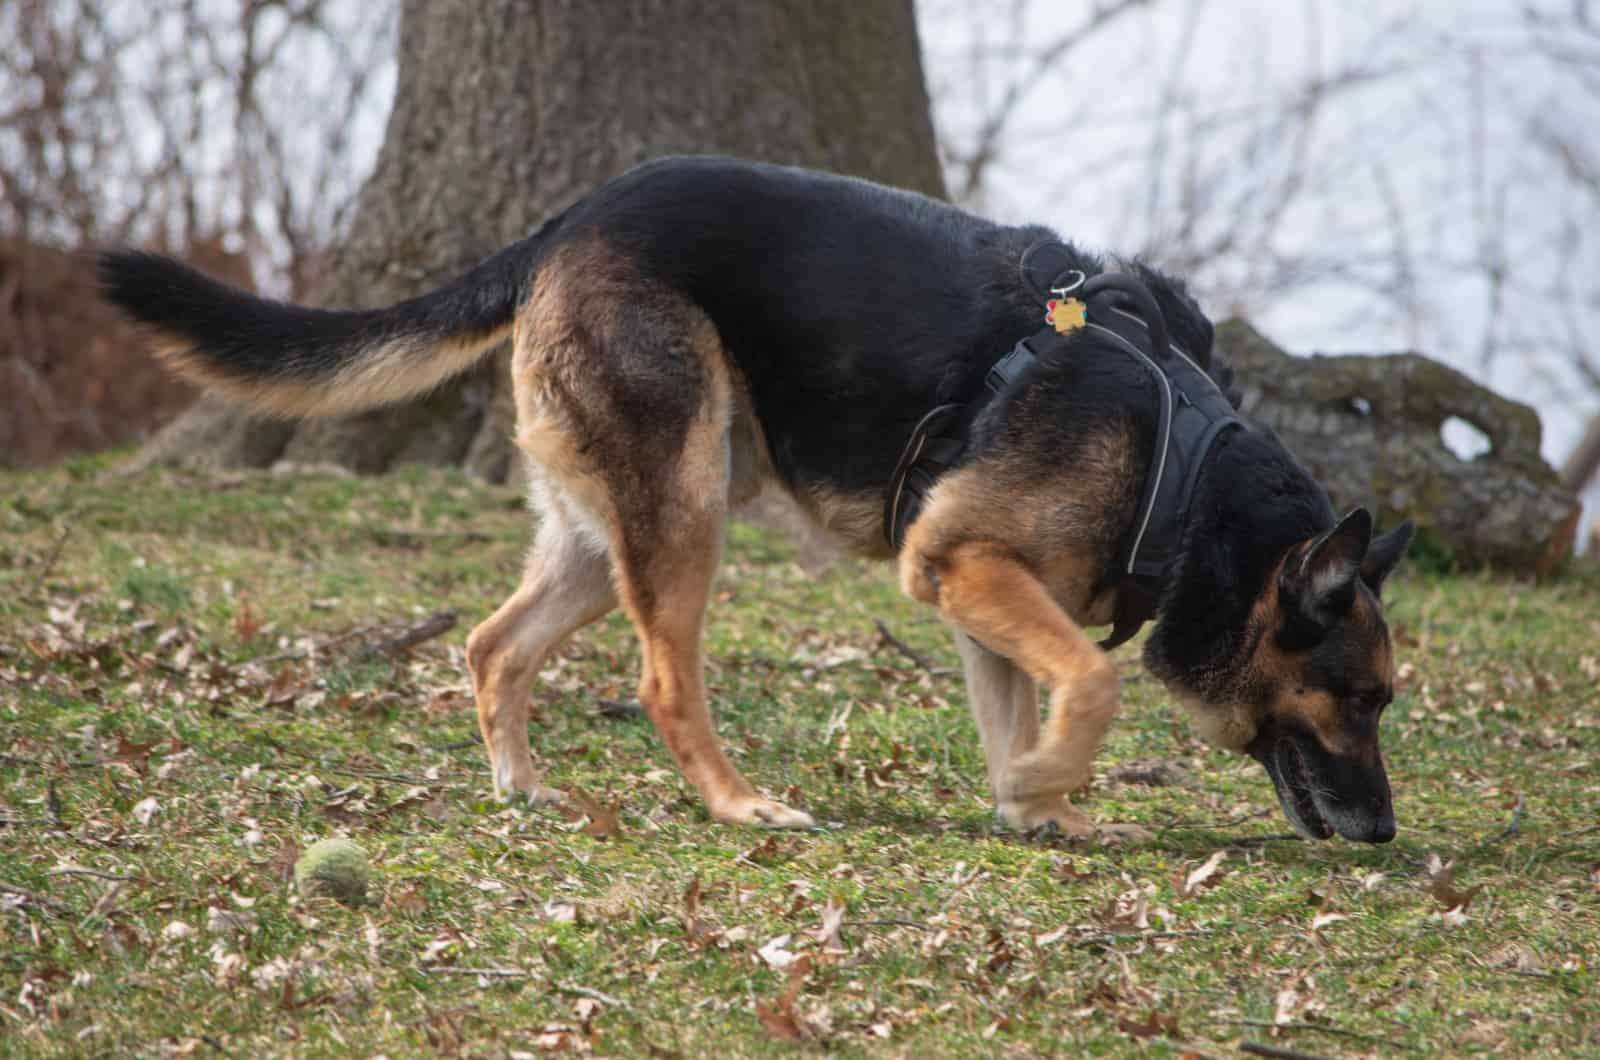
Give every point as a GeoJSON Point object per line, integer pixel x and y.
{"type": "Point", "coordinates": [698, 327]}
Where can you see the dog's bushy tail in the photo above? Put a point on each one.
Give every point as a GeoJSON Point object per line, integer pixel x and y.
{"type": "Point", "coordinates": [289, 360]}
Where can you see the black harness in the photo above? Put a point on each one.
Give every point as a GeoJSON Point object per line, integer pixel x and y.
{"type": "Point", "coordinates": [1194, 414]}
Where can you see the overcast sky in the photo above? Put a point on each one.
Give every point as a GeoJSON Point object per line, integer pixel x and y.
{"type": "Point", "coordinates": [1428, 149]}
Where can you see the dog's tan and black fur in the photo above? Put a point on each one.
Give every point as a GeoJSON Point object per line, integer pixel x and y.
{"type": "Point", "coordinates": [700, 327]}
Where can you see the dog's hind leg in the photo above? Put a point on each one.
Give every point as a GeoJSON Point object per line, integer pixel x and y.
{"type": "Point", "coordinates": [566, 585]}
{"type": "Point", "coordinates": [626, 399]}
{"type": "Point", "coordinates": [665, 568]}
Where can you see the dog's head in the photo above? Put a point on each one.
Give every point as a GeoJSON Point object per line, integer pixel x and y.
{"type": "Point", "coordinates": [1304, 694]}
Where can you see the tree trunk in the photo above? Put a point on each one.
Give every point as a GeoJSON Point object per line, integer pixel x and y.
{"type": "Point", "coordinates": [1581, 464]}
{"type": "Point", "coordinates": [506, 111]}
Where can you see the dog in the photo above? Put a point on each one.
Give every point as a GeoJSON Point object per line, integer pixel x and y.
{"type": "Point", "coordinates": [699, 327]}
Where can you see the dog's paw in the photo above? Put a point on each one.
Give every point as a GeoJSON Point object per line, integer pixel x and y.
{"type": "Point", "coordinates": [527, 791]}
{"type": "Point", "coordinates": [1051, 817]}
{"type": "Point", "coordinates": [767, 813]}
{"type": "Point", "coordinates": [1042, 775]}
{"type": "Point", "coordinates": [1113, 834]}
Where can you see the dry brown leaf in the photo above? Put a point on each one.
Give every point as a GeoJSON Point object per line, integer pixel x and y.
{"type": "Point", "coordinates": [412, 901]}
{"type": "Point", "coordinates": [1001, 955]}
{"type": "Point", "coordinates": [1203, 877]}
{"type": "Point", "coordinates": [1130, 909]}
{"type": "Point", "coordinates": [604, 821]}
{"type": "Point", "coordinates": [1066, 870]}
{"type": "Point", "coordinates": [1152, 1026]}
{"type": "Point", "coordinates": [246, 623]}
{"type": "Point", "coordinates": [779, 1017]}
{"type": "Point", "coordinates": [696, 927]}
{"type": "Point", "coordinates": [828, 933]}
{"type": "Point", "coordinates": [1440, 882]}
{"type": "Point", "coordinates": [781, 1021]}
{"type": "Point", "coordinates": [765, 852]}
{"type": "Point", "coordinates": [281, 865]}
{"type": "Point", "coordinates": [413, 798]}
{"type": "Point", "coordinates": [136, 755]}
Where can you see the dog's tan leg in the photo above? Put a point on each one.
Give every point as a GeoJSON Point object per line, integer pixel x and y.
{"type": "Point", "coordinates": [566, 585]}
{"type": "Point", "coordinates": [1005, 704]}
{"type": "Point", "coordinates": [666, 597]}
{"type": "Point", "coordinates": [985, 592]}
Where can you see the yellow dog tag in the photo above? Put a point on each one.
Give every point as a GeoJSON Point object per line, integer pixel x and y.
{"type": "Point", "coordinates": [1066, 314]}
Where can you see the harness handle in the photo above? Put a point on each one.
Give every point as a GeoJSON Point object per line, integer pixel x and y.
{"type": "Point", "coordinates": [1144, 303]}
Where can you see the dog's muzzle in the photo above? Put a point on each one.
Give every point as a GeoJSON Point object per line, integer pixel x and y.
{"type": "Point", "coordinates": [1322, 793]}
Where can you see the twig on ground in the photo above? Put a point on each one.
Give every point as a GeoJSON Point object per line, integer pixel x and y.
{"type": "Point", "coordinates": [362, 774]}
{"type": "Point", "coordinates": [491, 972]}
{"type": "Point", "coordinates": [50, 559]}
{"type": "Point", "coordinates": [1321, 1028]}
{"type": "Point", "coordinates": [407, 637]}
{"type": "Point", "coordinates": [409, 535]}
{"type": "Point", "coordinates": [1510, 829]}
{"type": "Point", "coordinates": [315, 649]}
{"type": "Point", "coordinates": [577, 990]}
{"type": "Point", "coordinates": [1106, 938]}
{"type": "Point", "coordinates": [218, 1046]}
{"type": "Point", "coordinates": [1214, 826]}
{"type": "Point", "coordinates": [908, 651]}
{"type": "Point", "coordinates": [52, 801]}
{"type": "Point", "coordinates": [103, 906]}
{"type": "Point", "coordinates": [1258, 840]}
{"type": "Point", "coordinates": [617, 709]}
{"type": "Point", "coordinates": [887, 922]}
{"type": "Point", "coordinates": [37, 899]}
{"type": "Point", "coordinates": [436, 624]}
{"type": "Point", "coordinates": [1257, 1049]}
{"type": "Point", "coordinates": [79, 870]}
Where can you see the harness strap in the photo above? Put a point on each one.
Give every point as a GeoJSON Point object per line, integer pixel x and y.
{"type": "Point", "coordinates": [1193, 415]}
{"type": "Point", "coordinates": [938, 442]}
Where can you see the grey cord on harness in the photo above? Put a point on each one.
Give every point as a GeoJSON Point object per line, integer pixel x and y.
{"type": "Point", "coordinates": [1193, 415]}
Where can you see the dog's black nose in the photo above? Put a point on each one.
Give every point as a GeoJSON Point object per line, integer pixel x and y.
{"type": "Point", "coordinates": [1382, 828]}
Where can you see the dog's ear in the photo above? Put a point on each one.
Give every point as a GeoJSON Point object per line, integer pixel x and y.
{"type": "Point", "coordinates": [1384, 553]}
{"type": "Point", "coordinates": [1318, 583]}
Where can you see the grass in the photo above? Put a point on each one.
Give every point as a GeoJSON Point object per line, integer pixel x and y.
{"type": "Point", "coordinates": [166, 749]}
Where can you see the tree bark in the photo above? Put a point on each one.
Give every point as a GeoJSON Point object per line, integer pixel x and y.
{"type": "Point", "coordinates": [1581, 464]}
{"type": "Point", "coordinates": [506, 111]}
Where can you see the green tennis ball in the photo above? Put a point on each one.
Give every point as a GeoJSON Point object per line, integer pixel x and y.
{"type": "Point", "coordinates": [333, 868]}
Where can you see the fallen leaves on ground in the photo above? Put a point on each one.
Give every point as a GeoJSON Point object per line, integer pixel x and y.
{"type": "Point", "coordinates": [779, 1015]}
{"type": "Point", "coordinates": [1203, 877]}
{"type": "Point", "coordinates": [1439, 880]}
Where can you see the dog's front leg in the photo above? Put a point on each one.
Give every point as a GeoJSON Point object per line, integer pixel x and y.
{"type": "Point", "coordinates": [982, 590]}
{"type": "Point", "coordinates": [1005, 705]}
